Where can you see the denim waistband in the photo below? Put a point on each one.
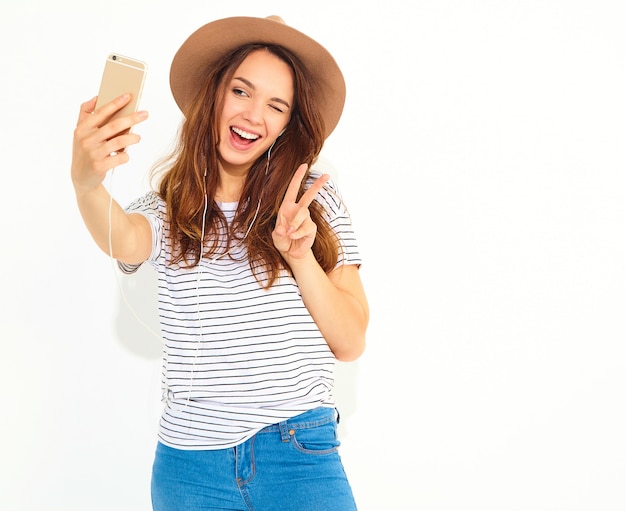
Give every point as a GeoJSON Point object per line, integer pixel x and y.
{"type": "Point", "coordinates": [310, 419]}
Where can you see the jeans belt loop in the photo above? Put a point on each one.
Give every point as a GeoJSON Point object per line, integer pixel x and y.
{"type": "Point", "coordinates": [285, 434]}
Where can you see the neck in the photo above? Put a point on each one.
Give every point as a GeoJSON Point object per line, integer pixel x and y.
{"type": "Point", "coordinates": [230, 184]}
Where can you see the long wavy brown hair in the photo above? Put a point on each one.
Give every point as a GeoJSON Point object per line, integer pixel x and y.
{"type": "Point", "coordinates": [183, 176]}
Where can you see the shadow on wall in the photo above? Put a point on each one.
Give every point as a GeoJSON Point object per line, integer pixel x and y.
{"type": "Point", "coordinates": [137, 323]}
{"type": "Point", "coordinates": [346, 379]}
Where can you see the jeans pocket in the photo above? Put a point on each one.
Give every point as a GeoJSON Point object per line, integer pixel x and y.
{"type": "Point", "coordinates": [316, 440]}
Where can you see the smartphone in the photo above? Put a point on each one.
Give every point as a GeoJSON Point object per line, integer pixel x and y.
{"type": "Point", "coordinates": [122, 75]}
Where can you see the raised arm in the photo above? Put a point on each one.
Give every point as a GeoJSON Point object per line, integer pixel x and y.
{"type": "Point", "coordinates": [336, 301]}
{"type": "Point", "coordinates": [99, 147]}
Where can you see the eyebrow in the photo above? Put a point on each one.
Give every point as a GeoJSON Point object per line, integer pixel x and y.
{"type": "Point", "coordinates": [251, 85]}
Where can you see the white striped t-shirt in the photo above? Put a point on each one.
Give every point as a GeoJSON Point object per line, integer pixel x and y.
{"type": "Point", "coordinates": [237, 357]}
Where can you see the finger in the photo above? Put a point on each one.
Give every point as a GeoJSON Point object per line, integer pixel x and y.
{"type": "Point", "coordinates": [101, 143]}
{"type": "Point", "coordinates": [282, 243]}
{"type": "Point", "coordinates": [100, 152]}
{"type": "Point", "coordinates": [83, 126]}
{"type": "Point", "coordinates": [307, 229]}
{"type": "Point", "coordinates": [298, 220]}
{"type": "Point", "coordinates": [119, 143]}
{"type": "Point", "coordinates": [112, 106]}
{"type": "Point", "coordinates": [102, 114]}
{"type": "Point", "coordinates": [116, 159]}
{"type": "Point", "coordinates": [294, 186]}
{"type": "Point", "coordinates": [280, 231]}
{"type": "Point", "coordinates": [308, 196]}
{"type": "Point", "coordinates": [87, 108]}
{"type": "Point", "coordinates": [122, 125]}
{"type": "Point", "coordinates": [91, 119]}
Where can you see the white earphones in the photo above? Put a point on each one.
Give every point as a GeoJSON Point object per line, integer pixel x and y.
{"type": "Point", "coordinates": [256, 213]}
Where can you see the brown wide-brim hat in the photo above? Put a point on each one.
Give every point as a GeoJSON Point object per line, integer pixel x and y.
{"type": "Point", "coordinates": [206, 45]}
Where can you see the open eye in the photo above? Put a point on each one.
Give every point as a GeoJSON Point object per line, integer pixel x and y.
{"type": "Point", "coordinates": [239, 92]}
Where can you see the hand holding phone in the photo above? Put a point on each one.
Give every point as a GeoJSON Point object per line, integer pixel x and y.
{"type": "Point", "coordinates": [122, 75]}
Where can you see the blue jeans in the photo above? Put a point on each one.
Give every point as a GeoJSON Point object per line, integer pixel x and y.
{"type": "Point", "coordinates": [290, 466]}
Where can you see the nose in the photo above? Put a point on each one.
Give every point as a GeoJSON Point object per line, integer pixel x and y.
{"type": "Point", "coordinates": [254, 113]}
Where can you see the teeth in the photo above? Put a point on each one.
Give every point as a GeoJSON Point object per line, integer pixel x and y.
{"type": "Point", "coordinates": [245, 134]}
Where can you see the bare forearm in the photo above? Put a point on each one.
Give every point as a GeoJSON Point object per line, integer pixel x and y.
{"type": "Point", "coordinates": [94, 206]}
{"type": "Point", "coordinates": [340, 314]}
{"type": "Point", "coordinates": [99, 146]}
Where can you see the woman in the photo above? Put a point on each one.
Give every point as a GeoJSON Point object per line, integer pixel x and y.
{"type": "Point", "coordinates": [259, 291]}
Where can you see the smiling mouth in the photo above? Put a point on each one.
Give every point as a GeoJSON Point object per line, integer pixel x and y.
{"type": "Point", "coordinates": [244, 136]}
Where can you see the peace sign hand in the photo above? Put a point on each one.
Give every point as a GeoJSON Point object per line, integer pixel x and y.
{"type": "Point", "coordinates": [295, 232]}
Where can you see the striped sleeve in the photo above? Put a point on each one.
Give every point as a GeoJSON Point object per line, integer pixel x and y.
{"type": "Point", "coordinates": [152, 207]}
{"type": "Point", "coordinates": [339, 219]}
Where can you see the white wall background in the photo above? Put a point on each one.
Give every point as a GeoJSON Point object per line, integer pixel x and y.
{"type": "Point", "coordinates": [483, 155]}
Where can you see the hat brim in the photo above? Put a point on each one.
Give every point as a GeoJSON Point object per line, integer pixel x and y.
{"type": "Point", "coordinates": [210, 42]}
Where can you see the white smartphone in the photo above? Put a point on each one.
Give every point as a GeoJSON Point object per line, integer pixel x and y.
{"type": "Point", "coordinates": [122, 75]}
